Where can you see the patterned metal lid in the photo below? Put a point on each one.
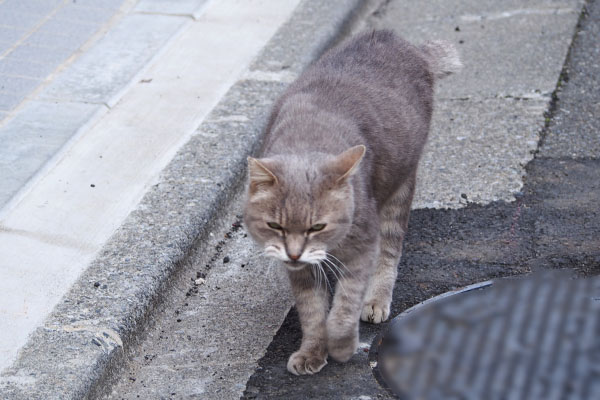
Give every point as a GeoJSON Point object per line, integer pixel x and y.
{"type": "Point", "coordinates": [516, 339]}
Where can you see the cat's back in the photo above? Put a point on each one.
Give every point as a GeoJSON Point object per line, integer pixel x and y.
{"type": "Point", "coordinates": [373, 77]}
{"type": "Point", "coordinates": [379, 57]}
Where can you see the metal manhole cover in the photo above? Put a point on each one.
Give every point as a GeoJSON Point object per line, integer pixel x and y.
{"type": "Point", "coordinates": [536, 338]}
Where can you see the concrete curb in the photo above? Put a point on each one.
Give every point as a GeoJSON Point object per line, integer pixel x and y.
{"type": "Point", "coordinates": [80, 348]}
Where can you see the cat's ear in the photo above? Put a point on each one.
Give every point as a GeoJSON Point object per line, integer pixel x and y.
{"type": "Point", "coordinates": [346, 164]}
{"type": "Point", "coordinates": [260, 174]}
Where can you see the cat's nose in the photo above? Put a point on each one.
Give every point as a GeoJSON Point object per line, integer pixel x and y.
{"type": "Point", "coordinates": [294, 245]}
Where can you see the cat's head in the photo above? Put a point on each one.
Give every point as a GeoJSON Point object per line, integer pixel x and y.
{"type": "Point", "coordinates": [299, 207]}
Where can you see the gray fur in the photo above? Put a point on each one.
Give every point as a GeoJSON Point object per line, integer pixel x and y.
{"type": "Point", "coordinates": [342, 148]}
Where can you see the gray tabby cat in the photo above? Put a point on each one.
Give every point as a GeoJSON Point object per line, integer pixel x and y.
{"type": "Point", "coordinates": [335, 182]}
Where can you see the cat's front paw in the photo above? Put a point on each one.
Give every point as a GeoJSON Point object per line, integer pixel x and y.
{"type": "Point", "coordinates": [375, 312]}
{"type": "Point", "coordinates": [306, 363]}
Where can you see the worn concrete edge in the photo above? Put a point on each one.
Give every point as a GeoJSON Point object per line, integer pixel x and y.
{"type": "Point", "coordinates": [79, 350]}
{"type": "Point", "coordinates": [562, 79]}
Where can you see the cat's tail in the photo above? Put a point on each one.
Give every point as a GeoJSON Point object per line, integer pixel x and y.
{"type": "Point", "coordinates": [442, 58]}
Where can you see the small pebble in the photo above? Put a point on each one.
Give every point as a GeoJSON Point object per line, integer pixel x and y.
{"type": "Point", "coordinates": [200, 281]}
{"type": "Point", "coordinates": [225, 260]}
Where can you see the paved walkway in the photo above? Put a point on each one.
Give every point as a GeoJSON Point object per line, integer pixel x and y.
{"type": "Point", "coordinates": [97, 97]}
{"type": "Point", "coordinates": [37, 41]}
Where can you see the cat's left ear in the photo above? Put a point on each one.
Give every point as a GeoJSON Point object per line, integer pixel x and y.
{"type": "Point", "coordinates": [260, 174]}
{"type": "Point", "coordinates": [346, 164]}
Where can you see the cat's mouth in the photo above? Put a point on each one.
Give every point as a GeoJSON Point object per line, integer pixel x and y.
{"type": "Point", "coordinates": [294, 265]}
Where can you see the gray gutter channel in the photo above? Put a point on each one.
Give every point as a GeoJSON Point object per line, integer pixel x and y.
{"type": "Point", "coordinates": [84, 342]}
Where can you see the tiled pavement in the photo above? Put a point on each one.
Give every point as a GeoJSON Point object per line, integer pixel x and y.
{"type": "Point", "coordinates": [37, 37]}
{"type": "Point", "coordinates": [64, 61]}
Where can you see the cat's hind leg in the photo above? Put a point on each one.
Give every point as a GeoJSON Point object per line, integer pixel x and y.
{"type": "Point", "coordinates": [310, 291]}
{"type": "Point", "coordinates": [393, 219]}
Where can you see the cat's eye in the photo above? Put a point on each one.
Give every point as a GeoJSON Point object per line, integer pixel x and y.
{"type": "Point", "coordinates": [274, 225]}
{"type": "Point", "coordinates": [317, 227]}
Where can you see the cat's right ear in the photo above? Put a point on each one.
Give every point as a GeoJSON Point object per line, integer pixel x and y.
{"type": "Point", "coordinates": [346, 164]}
{"type": "Point", "coordinates": [259, 174]}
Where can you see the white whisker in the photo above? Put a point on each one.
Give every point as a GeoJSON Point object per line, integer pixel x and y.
{"type": "Point", "coordinates": [337, 268]}
{"type": "Point", "coordinates": [339, 261]}
{"type": "Point", "coordinates": [317, 276]}
{"type": "Point", "coordinates": [260, 253]}
{"type": "Point", "coordinates": [328, 285]}
{"type": "Point", "coordinates": [339, 278]}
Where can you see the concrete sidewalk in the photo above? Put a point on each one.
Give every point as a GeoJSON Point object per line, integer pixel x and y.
{"type": "Point", "coordinates": [38, 45]}
{"type": "Point", "coordinates": [113, 93]}
{"type": "Point", "coordinates": [488, 117]}
{"type": "Point", "coordinates": [93, 236]}
{"type": "Point", "coordinates": [70, 54]}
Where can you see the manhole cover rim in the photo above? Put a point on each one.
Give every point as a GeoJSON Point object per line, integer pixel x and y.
{"type": "Point", "coordinates": [374, 349]}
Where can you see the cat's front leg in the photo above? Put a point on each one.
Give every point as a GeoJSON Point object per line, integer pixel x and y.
{"type": "Point", "coordinates": [311, 303]}
{"type": "Point", "coordinates": [343, 319]}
